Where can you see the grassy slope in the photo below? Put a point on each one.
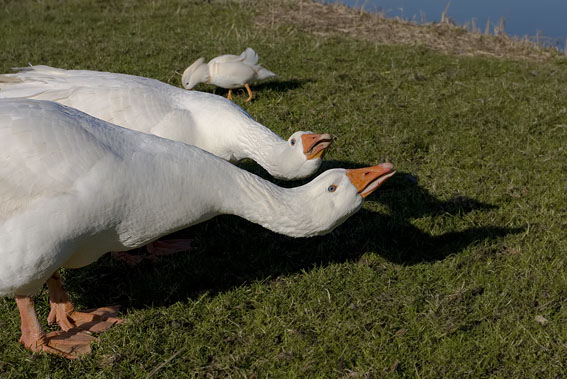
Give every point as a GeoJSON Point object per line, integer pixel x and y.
{"type": "Point", "coordinates": [443, 276]}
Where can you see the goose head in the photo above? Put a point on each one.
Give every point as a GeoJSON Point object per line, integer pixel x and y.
{"type": "Point", "coordinates": [328, 200]}
{"type": "Point", "coordinates": [198, 72]}
{"type": "Point", "coordinates": [301, 155]}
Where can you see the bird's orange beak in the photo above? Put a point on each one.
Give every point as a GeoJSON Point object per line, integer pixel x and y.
{"type": "Point", "coordinates": [368, 179]}
{"type": "Point", "coordinates": [315, 145]}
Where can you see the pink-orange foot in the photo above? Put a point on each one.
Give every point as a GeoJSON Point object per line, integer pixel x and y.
{"type": "Point", "coordinates": [126, 257]}
{"type": "Point", "coordinates": [155, 250]}
{"type": "Point", "coordinates": [94, 320]}
{"type": "Point", "coordinates": [63, 313]}
{"type": "Point", "coordinates": [70, 344]}
{"type": "Point", "coordinates": [166, 247]}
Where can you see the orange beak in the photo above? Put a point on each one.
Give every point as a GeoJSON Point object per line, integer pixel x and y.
{"type": "Point", "coordinates": [368, 179]}
{"type": "Point", "coordinates": [315, 145]}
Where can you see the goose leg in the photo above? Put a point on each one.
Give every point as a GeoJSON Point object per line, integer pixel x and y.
{"type": "Point", "coordinates": [67, 344]}
{"type": "Point", "coordinates": [249, 92]}
{"type": "Point", "coordinates": [167, 247]}
{"type": "Point", "coordinates": [155, 250]}
{"type": "Point", "coordinates": [63, 312]}
{"type": "Point", "coordinates": [229, 96]}
{"type": "Point", "coordinates": [130, 259]}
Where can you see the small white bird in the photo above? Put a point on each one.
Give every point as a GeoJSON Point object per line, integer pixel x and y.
{"type": "Point", "coordinates": [227, 71]}
{"type": "Point", "coordinates": [73, 187]}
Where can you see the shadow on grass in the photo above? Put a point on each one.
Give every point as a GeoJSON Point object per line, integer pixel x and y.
{"type": "Point", "coordinates": [231, 251]}
{"type": "Point", "coordinates": [270, 85]}
{"type": "Point", "coordinates": [282, 85]}
{"type": "Point", "coordinates": [402, 194]}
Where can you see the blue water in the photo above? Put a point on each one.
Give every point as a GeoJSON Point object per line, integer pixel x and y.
{"type": "Point", "coordinates": [547, 18]}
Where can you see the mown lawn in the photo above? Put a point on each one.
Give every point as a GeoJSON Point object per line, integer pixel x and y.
{"type": "Point", "coordinates": [454, 268]}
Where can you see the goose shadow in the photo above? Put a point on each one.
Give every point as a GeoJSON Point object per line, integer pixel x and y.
{"type": "Point", "coordinates": [280, 85]}
{"type": "Point", "coordinates": [402, 193]}
{"type": "Point", "coordinates": [230, 251]}
{"type": "Point", "coordinates": [274, 85]}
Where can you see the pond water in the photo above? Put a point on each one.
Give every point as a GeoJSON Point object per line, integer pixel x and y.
{"type": "Point", "coordinates": [541, 19]}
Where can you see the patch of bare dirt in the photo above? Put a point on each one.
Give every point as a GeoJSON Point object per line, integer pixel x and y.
{"type": "Point", "coordinates": [336, 19]}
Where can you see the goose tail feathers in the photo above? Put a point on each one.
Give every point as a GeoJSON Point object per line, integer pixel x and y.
{"type": "Point", "coordinates": [249, 56]}
{"type": "Point", "coordinates": [263, 73]}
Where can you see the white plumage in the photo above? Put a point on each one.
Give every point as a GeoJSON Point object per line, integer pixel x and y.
{"type": "Point", "coordinates": [150, 106]}
{"type": "Point", "coordinates": [227, 71]}
{"type": "Point", "coordinates": [73, 187]}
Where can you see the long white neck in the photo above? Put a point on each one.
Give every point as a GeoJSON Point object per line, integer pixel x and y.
{"type": "Point", "coordinates": [182, 186]}
{"type": "Point", "coordinates": [226, 130]}
{"type": "Point", "coordinates": [198, 72]}
{"type": "Point", "coordinates": [260, 144]}
{"type": "Point", "coordinates": [282, 210]}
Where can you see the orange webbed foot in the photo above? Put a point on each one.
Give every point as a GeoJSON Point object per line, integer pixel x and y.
{"type": "Point", "coordinates": [63, 313]}
{"type": "Point", "coordinates": [166, 247]}
{"type": "Point", "coordinates": [126, 257]}
{"type": "Point", "coordinates": [93, 320]}
{"type": "Point", "coordinates": [155, 250]}
{"type": "Point", "coordinates": [70, 344]}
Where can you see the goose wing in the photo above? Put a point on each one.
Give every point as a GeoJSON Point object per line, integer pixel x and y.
{"type": "Point", "coordinates": [140, 103]}
{"type": "Point", "coordinates": [248, 57]}
{"type": "Point", "coordinates": [42, 155]}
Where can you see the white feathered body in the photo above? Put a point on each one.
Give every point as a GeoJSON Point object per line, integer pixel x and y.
{"type": "Point", "coordinates": [142, 104]}
{"type": "Point", "coordinates": [227, 71]}
{"type": "Point", "coordinates": [233, 71]}
{"type": "Point", "coordinates": [73, 187]}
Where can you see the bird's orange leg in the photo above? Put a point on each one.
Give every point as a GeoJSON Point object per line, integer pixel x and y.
{"type": "Point", "coordinates": [160, 248]}
{"type": "Point", "coordinates": [249, 92]}
{"type": "Point", "coordinates": [63, 312]}
{"type": "Point", "coordinates": [229, 96]}
{"type": "Point", "coordinates": [155, 250]}
{"type": "Point", "coordinates": [67, 344]}
{"type": "Point", "coordinates": [130, 259]}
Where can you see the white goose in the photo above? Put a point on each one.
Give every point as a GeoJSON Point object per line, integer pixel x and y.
{"type": "Point", "coordinates": [73, 187]}
{"type": "Point", "coordinates": [147, 105]}
{"type": "Point", "coordinates": [227, 71]}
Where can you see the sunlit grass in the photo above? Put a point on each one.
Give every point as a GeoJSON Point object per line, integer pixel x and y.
{"type": "Point", "coordinates": [456, 267]}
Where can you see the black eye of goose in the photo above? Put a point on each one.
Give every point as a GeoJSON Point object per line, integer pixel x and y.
{"type": "Point", "coordinates": [292, 141]}
{"type": "Point", "coordinates": [332, 188]}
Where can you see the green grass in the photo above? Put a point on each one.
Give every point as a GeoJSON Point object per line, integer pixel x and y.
{"type": "Point", "coordinates": [441, 274]}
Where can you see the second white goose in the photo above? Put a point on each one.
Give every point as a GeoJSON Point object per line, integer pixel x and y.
{"type": "Point", "coordinates": [210, 122]}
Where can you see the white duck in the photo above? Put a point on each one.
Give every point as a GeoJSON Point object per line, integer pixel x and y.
{"type": "Point", "coordinates": [73, 187]}
{"type": "Point", "coordinates": [147, 105]}
{"type": "Point", "coordinates": [227, 71]}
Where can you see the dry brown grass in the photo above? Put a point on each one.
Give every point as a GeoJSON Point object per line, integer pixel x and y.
{"type": "Point", "coordinates": [337, 19]}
